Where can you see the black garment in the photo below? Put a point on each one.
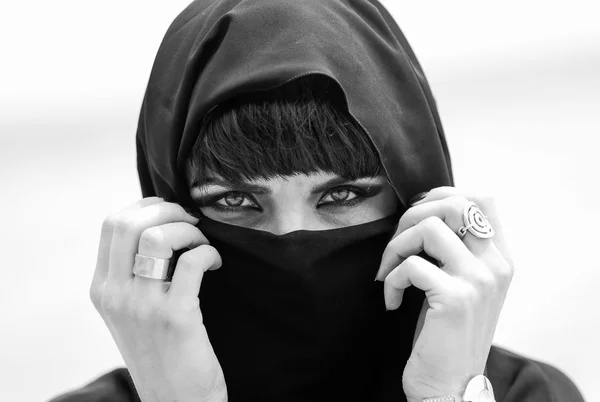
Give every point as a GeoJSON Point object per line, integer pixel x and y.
{"type": "Point", "coordinates": [297, 317]}
{"type": "Point", "coordinates": [515, 379]}
{"type": "Point", "coordinates": [217, 49]}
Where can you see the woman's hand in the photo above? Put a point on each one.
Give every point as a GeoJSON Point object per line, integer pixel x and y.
{"type": "Point", "coordinates": [464, 295]}
{"type": "Point", "coordinates": [157, 325]}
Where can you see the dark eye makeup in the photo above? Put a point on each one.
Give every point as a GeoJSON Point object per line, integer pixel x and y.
{"type": "Point", "coordinates": [360, 196]}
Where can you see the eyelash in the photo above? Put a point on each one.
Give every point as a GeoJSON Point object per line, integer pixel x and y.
{"type": "Point", "coordinates": [360, 193]}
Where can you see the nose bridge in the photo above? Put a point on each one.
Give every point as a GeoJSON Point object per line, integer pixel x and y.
{"type": "Point", "coordinates": [289, 221]}
{"type": "Point", "coordinates": [294, 216]}
{"type": "Point", "coordinates": [291, 212]}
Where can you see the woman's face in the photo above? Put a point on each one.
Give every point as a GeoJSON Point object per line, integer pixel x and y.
{"type": "Point", "coordinates": [318, 201]}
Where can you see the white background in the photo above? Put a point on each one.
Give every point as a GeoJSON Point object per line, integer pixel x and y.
{"type": "Point", "coordinates": [518, 88]}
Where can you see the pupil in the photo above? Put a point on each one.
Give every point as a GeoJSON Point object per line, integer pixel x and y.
{"type": "Point", "coordinates": [236, 196]}
{"type": "Point", "coordinates": [335, 194]}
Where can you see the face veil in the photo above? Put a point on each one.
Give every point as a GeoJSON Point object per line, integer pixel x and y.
{"type": "Point", "coordinates": [307, 298]}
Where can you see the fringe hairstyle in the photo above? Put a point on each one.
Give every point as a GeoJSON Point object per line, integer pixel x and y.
{"type": "Point", "coordinates": [297, 128]}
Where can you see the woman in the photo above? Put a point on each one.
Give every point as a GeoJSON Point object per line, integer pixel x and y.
{"type": "Point", "coordinates": [298, 155]}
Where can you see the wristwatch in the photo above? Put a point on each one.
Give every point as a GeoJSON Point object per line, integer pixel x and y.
{"type": "Point", "coordinates": [479, 389]}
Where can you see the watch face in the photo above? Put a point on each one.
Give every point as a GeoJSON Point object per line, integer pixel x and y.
{"type": "Point", "coordinates": [479, 389]}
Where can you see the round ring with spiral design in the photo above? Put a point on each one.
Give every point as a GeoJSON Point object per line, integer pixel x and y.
{"type": "Point", "coordinates": [150, 267]}
{"type": "Point", "coordinates": [475, 222]}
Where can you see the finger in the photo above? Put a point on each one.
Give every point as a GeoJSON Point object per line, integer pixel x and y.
{"type": "Point", "coordinates": [128, 228]}
{"type": "Point", "coordinates": [485, 203]}
{"type": "Point", "coordinates": [188, 275]}
{"type": "Point", "coordinates": [160, 242]}
{"type": "Point", "coordinates": [450, 210]}
{"type": "Point", "coordinates": [430, 235]}
{"type": "Point", "coordinates": [418, 272]}
{"type": "Point", "coordinates": [106, 234]}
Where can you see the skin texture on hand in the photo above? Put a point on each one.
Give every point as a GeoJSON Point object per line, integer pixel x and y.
{"type": "Point", "coordinates": [464, 293]}
{"type": "Point", "coordinates": [157, 325]}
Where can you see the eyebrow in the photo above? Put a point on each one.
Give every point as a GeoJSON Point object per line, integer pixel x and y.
{"type": "Point", "coordinates": [264, 190]}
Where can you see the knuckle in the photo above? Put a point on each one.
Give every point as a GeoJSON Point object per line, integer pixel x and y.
{"type": "Point", "coordinates": [95, 295]}
{"type": "Point", "coordinates": [411, 261]}
{"type": "Point", "coordinates": [432, 223]}
{"type": "Point", "coordinates": [506, 271]}
{"type": "Point", "coordinates": [485, 281]}
{"type": "Point", "coordinates": [407, 219]}
{"type": "Point", "coordinates": [410, 218]}
{"type": "Point", "coordinates": [112, 301]}
{"type": "Point", "coordinates": [175, 210]}
{"type": "Point", "coordinates": [108, 224]}
{"type": "Point", "coordinates": [439, 192]}
{"type": "Point", "coordinates": [111, 304]}
{"type": "Point", "coordinates": [179, 209]}
{"type": "Point", "coordinates": [458, 203]}
{"type": "Point", "coordinates": [187, 260]}
{"type": "Point", "coordinates": [151, 238]}
{"type": "Point", "coordinates": [124, 224]}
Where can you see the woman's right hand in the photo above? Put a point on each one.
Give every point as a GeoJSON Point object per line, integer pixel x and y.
{"type": "Point", "coordinates": [158, 326]}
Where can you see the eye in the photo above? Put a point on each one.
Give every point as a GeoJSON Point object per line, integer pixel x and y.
{"type": "Point", "coordinates": [232, 201]}
{"type": "Point", "coordinates": [342, 196]}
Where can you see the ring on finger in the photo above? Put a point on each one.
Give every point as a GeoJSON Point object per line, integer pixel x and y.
{"type": "Point", "coordinates": [150, 267]}
{"type": "Point", "coordinates": [475, 222]}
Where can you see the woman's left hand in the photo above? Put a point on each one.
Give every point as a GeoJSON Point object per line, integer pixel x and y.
{"type": "Point", "coordinates": [464, 295]}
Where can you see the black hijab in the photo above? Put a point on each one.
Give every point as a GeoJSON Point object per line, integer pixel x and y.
{"type": "Point", "coordinates": [215, 50]}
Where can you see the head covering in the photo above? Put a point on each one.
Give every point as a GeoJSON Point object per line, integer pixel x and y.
{"type": "Point", "coordinates": [216, 50]}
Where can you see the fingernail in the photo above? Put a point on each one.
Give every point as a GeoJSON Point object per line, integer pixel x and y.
{"type": "Point", "coordinates": [416, 198]}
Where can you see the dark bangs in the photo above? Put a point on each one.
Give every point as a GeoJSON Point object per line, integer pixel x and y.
{"type": "Point", "coordinates": [297, 128]}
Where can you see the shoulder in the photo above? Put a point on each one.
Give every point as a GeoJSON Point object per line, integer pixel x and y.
{"type": "Point", "coordinates": [113, 386]}
{"type": "Point", "coordinates": [520, 379]}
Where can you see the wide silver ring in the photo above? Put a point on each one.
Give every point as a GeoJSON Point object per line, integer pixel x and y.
{"type": "Point", "coordinates": [150, 267]}
{"type": "Point", "coordinates": [475, 222]}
